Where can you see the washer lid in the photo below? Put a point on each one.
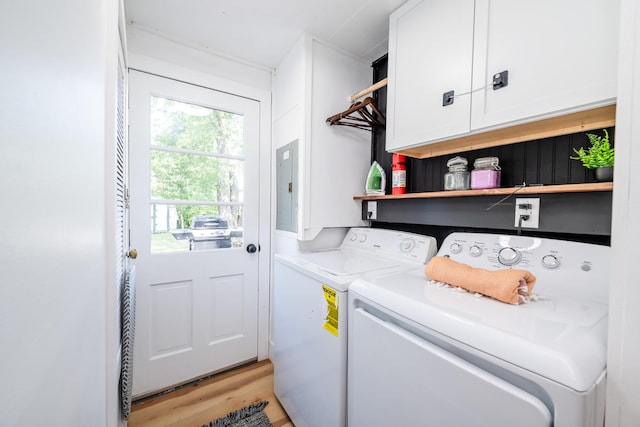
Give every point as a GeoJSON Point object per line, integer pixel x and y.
{"type": "Point", "coordinates": [340, 262]}
{"type": "Point", "coordinates": [560, 338]}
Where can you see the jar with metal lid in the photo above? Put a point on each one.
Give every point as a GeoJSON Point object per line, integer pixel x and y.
{"type": "Point", "coordinates": [458, 177]}
{"type": "Point", "coordinates": [485, 173]}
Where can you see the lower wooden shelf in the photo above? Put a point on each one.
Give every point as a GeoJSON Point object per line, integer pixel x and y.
{"type": "Point", "coordinates": [535, 189]}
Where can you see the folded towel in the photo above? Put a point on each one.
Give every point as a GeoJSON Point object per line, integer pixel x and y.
{"type": "Point", "coordinates": [510, 286]}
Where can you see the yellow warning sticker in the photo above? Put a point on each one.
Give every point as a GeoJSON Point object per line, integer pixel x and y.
{"type": "Point", "coordinates": [331, 321]}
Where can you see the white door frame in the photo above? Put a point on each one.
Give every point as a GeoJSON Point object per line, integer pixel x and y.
{"type": "Point", "coordinates": [176, 72]}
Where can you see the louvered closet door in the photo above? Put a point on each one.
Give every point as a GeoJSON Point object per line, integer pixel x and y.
{"type": "Point", "coordinates": [121, 155]}
{"type": "Point", "coordinates": [125, 270]}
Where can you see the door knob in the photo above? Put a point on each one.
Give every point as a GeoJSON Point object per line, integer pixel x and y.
{"type": "Point", "coordinates": [252, 249]}
{"type": "Point", "coordinates": [133, 254]}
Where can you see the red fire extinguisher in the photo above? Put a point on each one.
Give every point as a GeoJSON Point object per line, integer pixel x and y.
{"type": "Point", "coordinates": [398, 174]}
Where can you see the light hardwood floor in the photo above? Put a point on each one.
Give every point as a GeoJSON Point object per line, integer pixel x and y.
{"type": "Point", "coordinates": [197, 404]}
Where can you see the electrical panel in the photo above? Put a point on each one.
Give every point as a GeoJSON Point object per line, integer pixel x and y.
{"type": "Point", "coordinates": [287, 187]}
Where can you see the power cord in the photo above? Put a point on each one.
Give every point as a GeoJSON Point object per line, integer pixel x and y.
{"type": "Point", "coordinates": [522, 218]}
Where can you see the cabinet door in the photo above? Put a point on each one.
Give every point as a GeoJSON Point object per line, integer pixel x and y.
{"type": "Point", "coordinates": [561, 57]}
{"type": "Point", "coordinates": [430, 53]}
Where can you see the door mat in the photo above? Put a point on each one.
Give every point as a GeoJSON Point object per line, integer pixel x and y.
{"type": "Point", "coordinates": [249, 416]}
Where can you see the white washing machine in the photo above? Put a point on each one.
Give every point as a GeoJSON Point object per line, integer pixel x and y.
{"type": "Point", "coordinates": [310, 317]}
{"type": "Point", "coordinates": [421, 353]}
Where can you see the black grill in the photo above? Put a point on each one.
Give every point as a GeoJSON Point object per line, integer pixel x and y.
{"type": "Point", "coordinates": [206, 232]}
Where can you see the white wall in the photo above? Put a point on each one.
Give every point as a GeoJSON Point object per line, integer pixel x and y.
{"type": "Point", "coordinates": [142, 43]}
{"type": "Point", "coordinates": [312, 82]}
{"type": "Point", "coordinates": [623, 378]}
{"type": "Point", "coordinates": [53, 246]}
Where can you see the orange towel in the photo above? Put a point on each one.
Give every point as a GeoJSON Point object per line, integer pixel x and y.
{"type": "Point", "coordinates": [504, 285]}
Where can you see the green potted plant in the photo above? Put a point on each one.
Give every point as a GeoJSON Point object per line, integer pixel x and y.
{"type": "Point", "coordinates": [599, 156]}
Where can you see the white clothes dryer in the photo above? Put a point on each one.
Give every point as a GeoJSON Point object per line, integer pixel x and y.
{"type": "Point", "coordinates": [311, 318]}
{"type": "Point", "coordinates": [421, 353]}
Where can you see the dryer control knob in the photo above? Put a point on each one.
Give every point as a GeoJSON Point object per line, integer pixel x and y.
{"type": "Point", "coordinates": [509, 256]}
{"type": "Point", "coordinates": [550, 261]}
{"type": "Point", "coordinates": [353, 237]}
{"type": "Point", "coordinates": [455, 248]}
{"type": "Point", "coordinates": [363, 237]}
{"type": "Point", "coordinates": [475, 251]}
{"type": "Point", "coordinates": [407, 244]}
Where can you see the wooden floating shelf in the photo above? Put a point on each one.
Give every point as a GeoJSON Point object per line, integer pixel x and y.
{"type": "Point", "coordinates": [541, 189]}
{"type": "Point", "coordinates": [582, 121]}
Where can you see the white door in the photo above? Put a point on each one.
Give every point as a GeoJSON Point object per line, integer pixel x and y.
{"type": "Point", "coordinates": [194, 221]}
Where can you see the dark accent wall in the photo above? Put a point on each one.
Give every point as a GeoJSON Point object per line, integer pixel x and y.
{"type": "Point", "coordinates": [571, 216]}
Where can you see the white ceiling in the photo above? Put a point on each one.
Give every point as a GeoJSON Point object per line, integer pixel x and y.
{"type": "Point", "coordinates": [262, 31]}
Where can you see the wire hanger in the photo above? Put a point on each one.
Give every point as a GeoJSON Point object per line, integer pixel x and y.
{"type": "Point", "coordinates": [363, 114]}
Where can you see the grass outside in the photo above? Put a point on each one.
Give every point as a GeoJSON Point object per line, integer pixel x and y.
{"type": "Point", "coordinates": [165, 242]}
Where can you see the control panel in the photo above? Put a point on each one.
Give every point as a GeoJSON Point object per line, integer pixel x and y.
{"type": "Point", "coordinates": [559, 265]}
{"type": "Point", "coordinates": [397, 244]}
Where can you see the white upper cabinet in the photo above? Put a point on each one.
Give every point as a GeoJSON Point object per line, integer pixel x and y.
{"type": "Point", "coordinates": [560, 56]}
{"type": "Point", "coordinates": [314, 82]}
{"type": "Point", "coordinates": [430, 53]}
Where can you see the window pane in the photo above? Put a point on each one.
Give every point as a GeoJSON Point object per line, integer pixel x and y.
{"type": "Point", "coordinates": [181, 228]}
{"type": "Point", "coordinates": [179, 176]}
{"type": "Point", "coordinates": [193, 127]}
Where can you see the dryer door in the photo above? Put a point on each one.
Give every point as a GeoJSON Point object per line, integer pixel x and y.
{"type": "Point", "coordinates": [397, 378]}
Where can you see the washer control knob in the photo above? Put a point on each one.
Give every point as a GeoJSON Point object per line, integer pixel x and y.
{"type": "Point", "coordinates": [353, 237]}
{"type": "Point", "coordinates": [475, 250]}
{"type": "Point", "coordinates": [455, 248]}
{"type": "Point", "coordinates": [585, 267]}
{"type": "Point", "coordinates": [363, 238]}
{"type": "Point", "coordinates": [509, 256]}
{"type": "Point", "coordinates": [550, 261]}
{"type": "Point", "coordinates": [407, 244]}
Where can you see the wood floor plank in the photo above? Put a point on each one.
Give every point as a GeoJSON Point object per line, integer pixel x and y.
{"type": "Point", "coordinates": [199, 403]}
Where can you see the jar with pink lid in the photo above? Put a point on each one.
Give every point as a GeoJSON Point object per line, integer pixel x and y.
{"type": "Point", "coordinates": [485, 173]}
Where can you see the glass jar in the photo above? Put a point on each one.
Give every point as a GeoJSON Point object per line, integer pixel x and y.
{"type": "Point", "coordinates": [485, 173]}
{"type": "Point", "coordinates": [458, 177]}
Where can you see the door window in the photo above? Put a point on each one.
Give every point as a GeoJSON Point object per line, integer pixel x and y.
{"type": "Point", "coordinates": [197, 172]}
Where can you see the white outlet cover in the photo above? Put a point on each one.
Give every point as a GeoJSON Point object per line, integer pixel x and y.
{"type": "Point", "coordinates": [372, 210]}
{"type": "Point", "coordinates": [533, 212]}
